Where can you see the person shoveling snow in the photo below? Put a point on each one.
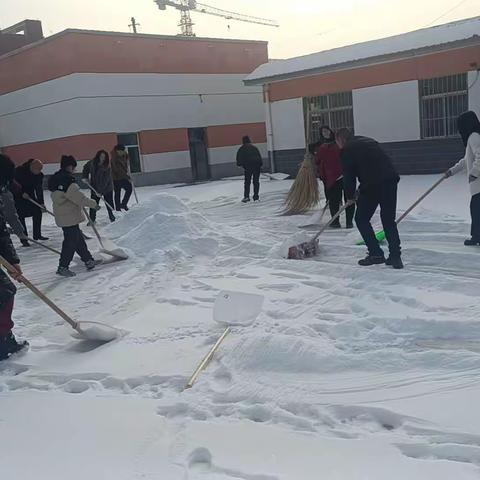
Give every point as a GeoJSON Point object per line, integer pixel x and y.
{"type": "Point", "coordinates": [68, 201]}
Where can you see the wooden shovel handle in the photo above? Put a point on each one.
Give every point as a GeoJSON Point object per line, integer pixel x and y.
{"type": "Point", "coordinates": [7, 265]}
{"type": "Point", "coordinates": [92, 224]}
{"type": "Point", "coordinates": [89, 185]}
{"type": "Point", "coordinates": [425, 195]}
{"type": "Point", "coordinates": [207, 359]}
{"type": "Point", "coordinates": [30, 199]}
{"type": "Point", "coordinates": [349, 203]}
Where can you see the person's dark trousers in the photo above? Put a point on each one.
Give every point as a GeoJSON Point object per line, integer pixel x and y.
{"type": "Point", "coordinates": [7, 294]}
{"type": "Point", "coordinates": [475, 212]}
{"type": "Point", "coordinates": [73, 241]}
{"type": "Point", "coordinates": [118, 186]}
{"type": "Point", "coordinates": [384, 195]}
{"type": "Point", "coordinates": [108, 199]}
{"type": "Point", "coordinates": [334, 197]}
{"type": "Point", "coordinates": [37, 223]}
{"type": "Point", "coordinates": [252, 173]}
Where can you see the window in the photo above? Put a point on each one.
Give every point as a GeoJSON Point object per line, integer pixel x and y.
{"type": "Point", "coordinates": [130, 140]}
{"type": "Point", "coordinates": [442, 100]}
{"type": "Point", "coordinates": [334, 110]}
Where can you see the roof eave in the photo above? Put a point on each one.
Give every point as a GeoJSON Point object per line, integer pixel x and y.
{"type": "Point", "coordinates": [366, 62]}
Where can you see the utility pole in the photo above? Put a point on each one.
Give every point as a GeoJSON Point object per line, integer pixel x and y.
{"type": "Point", "coordinates": [134, 25]}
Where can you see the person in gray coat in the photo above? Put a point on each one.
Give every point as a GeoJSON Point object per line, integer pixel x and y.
{"type": "Point", "coordinates": [98, 172]}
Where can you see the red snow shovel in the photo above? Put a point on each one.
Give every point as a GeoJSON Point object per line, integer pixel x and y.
{"type": "Point", "coordinates": [310, 249]}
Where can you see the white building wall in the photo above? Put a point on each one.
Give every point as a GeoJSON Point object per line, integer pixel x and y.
{"type": "Point", "coordinates": [388, 113]}
{"type": "Point", "coordinates": [288, 125]}
{"type": "Point", "coordinates": [101, 103]}
{"type": "Point", "coordinates": [474, 93]}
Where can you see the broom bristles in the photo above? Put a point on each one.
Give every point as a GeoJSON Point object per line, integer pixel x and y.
{"type": "Point", "coordinates": [304, 193]}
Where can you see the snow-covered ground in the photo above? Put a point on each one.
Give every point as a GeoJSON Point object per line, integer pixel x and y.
{"type": "Point", "coordinates": [348, 373]}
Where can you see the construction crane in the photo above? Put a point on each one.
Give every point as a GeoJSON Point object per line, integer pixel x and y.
{"type": "Point", "coordinates": [186, 6]}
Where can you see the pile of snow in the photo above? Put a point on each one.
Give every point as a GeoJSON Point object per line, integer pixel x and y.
{"type": "Point", "coordinates": [164, 225]}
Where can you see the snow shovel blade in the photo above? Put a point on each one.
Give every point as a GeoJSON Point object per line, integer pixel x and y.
{"type": "Point", "coordinates": [304, 250]}
{"type": "Point", "coordinates": [95, 332]}
{"type": "Point", "coordinates": [237, 308]}
{"type": "Point", "coordinates": [379, 235]}
{"type": "Point", "coordinates": [113, 250]}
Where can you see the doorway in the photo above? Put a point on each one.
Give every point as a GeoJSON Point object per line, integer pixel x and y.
{"type": "Point", "coordinates": [197, 139]}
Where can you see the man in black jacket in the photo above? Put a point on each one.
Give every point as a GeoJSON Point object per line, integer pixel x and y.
{"type": "Point", "coordinates": [8, 342]}
{"type": "Point", "coordinates": [364, 159]}
{"type": "Point", "coordinates": [29, 177]}
{"type": "Point", "coordinates": [249, 157]}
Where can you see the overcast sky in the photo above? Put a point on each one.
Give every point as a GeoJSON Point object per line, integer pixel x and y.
{"type": "Point", "coordinates": [305, 25]}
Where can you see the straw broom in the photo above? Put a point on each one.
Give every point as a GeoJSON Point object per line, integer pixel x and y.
{"type": "Point", "coordinates": [304, 194]}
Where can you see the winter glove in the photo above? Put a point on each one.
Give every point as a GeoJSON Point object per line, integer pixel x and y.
{"type": "Point", "coordinates": [471, 178]}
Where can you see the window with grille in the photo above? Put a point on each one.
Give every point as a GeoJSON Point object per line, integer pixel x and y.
{"type": "Point", "coordinates": [442, 100]}
{"type": "Point", "coordinates": [334, 110]}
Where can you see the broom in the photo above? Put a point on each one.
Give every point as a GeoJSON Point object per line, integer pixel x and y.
{"type": "Point", "coordinates": [304, 193]}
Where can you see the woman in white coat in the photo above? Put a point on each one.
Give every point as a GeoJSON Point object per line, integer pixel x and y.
{"type": "Point", "coordinates": [469, 129]}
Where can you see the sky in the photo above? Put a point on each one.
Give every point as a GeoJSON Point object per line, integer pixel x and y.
{"type": "Point", "coordinates": [306, 26]}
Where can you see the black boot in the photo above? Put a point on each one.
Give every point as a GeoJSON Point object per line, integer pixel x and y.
{"type": "Point", "coordinates": [395, 262]}
{"type": "Point", "coordinates": [471, 242]}
{"type": "Point", "coordinates": [9, 346]}
{"type": "Point", "coordinates": [370, 260]}
{"type": "Point", "coordinates": [41, 237]}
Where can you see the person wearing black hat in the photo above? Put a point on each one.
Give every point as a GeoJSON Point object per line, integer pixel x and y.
{"type": "Point", "coordinates": [68, 203]}
{"type": "Point", "coordinates": [250, 159]}
{"type": "Point", "coordinates": [469, 129]}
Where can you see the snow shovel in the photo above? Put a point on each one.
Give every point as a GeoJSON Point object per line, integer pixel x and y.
{"type": "Point", "coordinates": [381, 234]}
{"type": "Point", "coordinates": [276, 176]}
{"type": "Point", "coordinates": [45, 209]}
{"type": "Point", "coordinates": [231, 309]}
{"type": "Point", "coordinates": [40, 244]}
{"type": "Point", "coordinates": [310, 248]}
{"type": "Point", "coordinates": [93, 331]}
{"type": "Point", "coordinates": [107, 246]}
{"type": "Point", "coordinates": [89, 185]}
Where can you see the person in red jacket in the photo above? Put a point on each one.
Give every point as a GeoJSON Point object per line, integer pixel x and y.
{"type": "Point", "coordinates": [330, 171]}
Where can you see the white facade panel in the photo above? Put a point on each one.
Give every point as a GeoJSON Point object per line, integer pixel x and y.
{"type": "Point", "coordinates": [221, 155]}
{"type": "Point", "coordinates": [388, 113]}
{"type": "Point", "coordinates": [474, 93]}
{"type": "Point", "coordinates": [165, 161]}
{"type": "Point", "coordinates": [129, 114]}
{"type": "Point", "coordinates": [288, 125]}
{"type": "Point", "coordinates": [88, 85]}
{"type": "Point", "coordinates": [89, 103]}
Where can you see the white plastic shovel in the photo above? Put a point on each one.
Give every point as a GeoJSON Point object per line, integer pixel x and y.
{"type": "Point", "coordinates": [106, 245]}
{"type": "Point", "coordinates": [231, 309]}
{"type": "Point", "coordinates": [93, 331]}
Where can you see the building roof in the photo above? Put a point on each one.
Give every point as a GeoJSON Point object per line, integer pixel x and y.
{"type": "Point", "coordinates": [450, 35]}
{"type": "Point", "coordinates": [132, 36]}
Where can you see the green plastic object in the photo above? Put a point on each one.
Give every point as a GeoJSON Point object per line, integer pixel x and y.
{"type": "Point", "coordinates": [380, 237]}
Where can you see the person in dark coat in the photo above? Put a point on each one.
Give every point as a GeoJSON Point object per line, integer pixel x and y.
{"type": "Point", "coordinates": [98, 172]}
{"type": "Point", "coordinates": [250, 159]}
{"type": "Point", "coordinates": [330, 171]}
{"type": "Point", "coordinates": [7, 173]}
{"type": "Point", "coordinates": [364, 159]}
{"type": "Point", "coordinates": [29, 178]}
{"type": "Point", "coordinates": [8, 343]}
